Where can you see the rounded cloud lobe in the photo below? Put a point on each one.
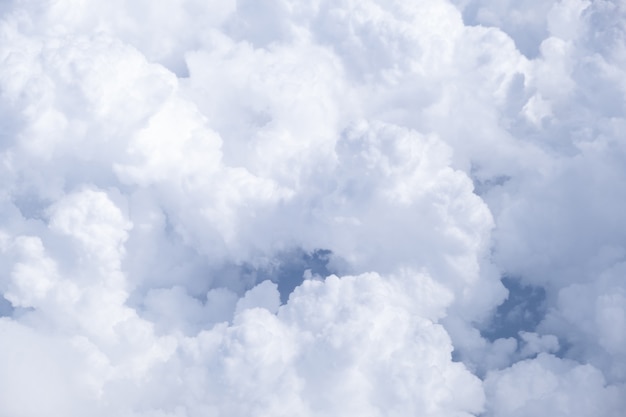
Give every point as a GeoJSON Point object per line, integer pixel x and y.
{"type": "Point", "coordinates": [290, 208]}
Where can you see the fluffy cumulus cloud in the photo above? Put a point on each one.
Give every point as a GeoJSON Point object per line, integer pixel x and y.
{"type": "Point", "coordinates": [281, 207]}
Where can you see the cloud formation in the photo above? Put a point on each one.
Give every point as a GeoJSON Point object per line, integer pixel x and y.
{"type": "Point", "coordinates": [312, 208]}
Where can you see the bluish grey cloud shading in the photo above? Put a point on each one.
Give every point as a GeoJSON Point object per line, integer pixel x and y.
{"type": "Point", "coordinates": [306, 208]}
{"type": "Point", "coordinates": [524, 21]}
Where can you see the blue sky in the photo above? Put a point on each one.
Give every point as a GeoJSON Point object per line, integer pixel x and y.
{"type": "Point", "coordinates": [322, 208]}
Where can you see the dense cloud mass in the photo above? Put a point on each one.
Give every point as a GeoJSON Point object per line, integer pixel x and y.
{"type": "Point", "coordinates": [313, 208]}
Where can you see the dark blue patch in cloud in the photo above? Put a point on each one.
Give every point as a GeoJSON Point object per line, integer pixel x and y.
{"type": "Point", "coordinates": [30, 205]}
{"type": "Point", "coordinates": [289, 272]}
{"type": "Point", "coordinates": [6, 308]}
{"type": "Point", "coordinates": [482, 187]}
{"type": "Point", "coordinates": [523, 310]}
{"type": "Point", "coordinates": [286, 269]}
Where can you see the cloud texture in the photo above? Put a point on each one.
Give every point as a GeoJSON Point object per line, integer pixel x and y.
{"type": "Point", "coordinates": [279, 208]}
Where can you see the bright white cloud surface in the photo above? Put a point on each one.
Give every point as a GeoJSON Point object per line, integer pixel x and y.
{"type": "Point", "coordinates": [291, 208]}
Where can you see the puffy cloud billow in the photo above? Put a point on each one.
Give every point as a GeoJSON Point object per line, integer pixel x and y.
{"type": "Point", "coordinates": [323, 208]}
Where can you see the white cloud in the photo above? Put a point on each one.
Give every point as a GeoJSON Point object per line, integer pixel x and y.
{"type": "Point", "coordinates": [165, 169]}
{"type": "Point", "coordinates": [535, 343]}
{"type": "Point", "coordinates": [548, 386]}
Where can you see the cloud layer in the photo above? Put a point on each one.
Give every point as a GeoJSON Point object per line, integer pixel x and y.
{"type": "Point", "coordinates": [312, 208]}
